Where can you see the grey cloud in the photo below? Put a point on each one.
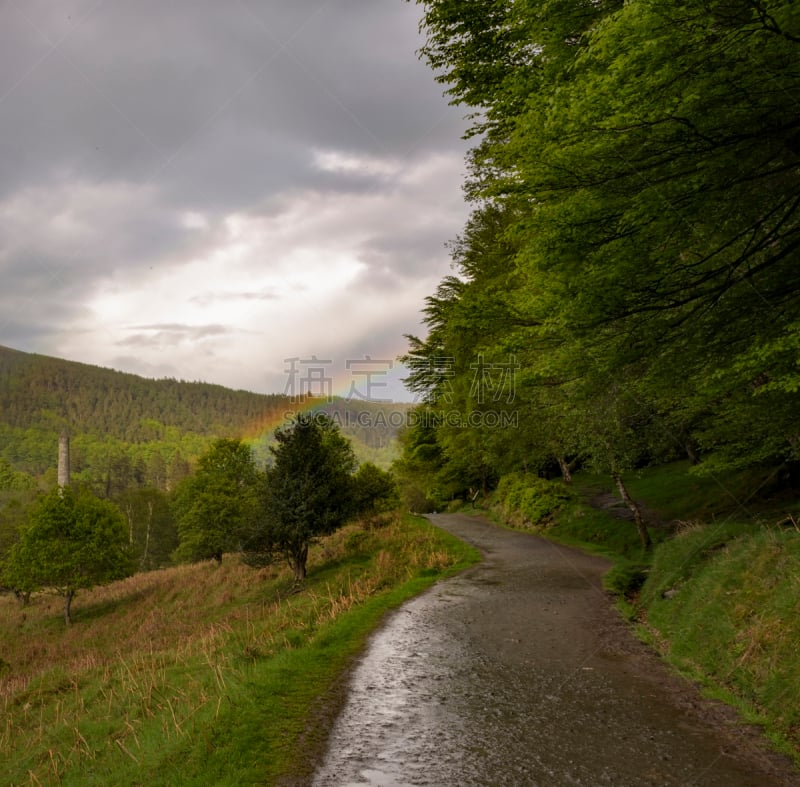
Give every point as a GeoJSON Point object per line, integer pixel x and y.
{"type": "Point", "coordinates": [170, 334]}
{"type": "Point", "coordinates": [19, 333]}
{"type": "Point", "coordinates": [135, 364]}
{"type": "Point", "coordinates": [118, 118]}
{"type": "Point", "coordinates": [60, 244]}
{"type": "Point", "coordinates": [208, 298]}
{"type": "Point", "coordinates": [401, 255]}
{"type": "Point", "coordinates": [142, 91]}
{"type": "Point", "coordinates": [41, 292]}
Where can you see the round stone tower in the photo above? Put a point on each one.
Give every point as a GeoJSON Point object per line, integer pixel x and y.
{"type": "Point", "coordinates": [63, 460]}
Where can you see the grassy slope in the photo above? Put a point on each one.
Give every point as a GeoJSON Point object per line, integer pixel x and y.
{"type": "Point", "coordinates": [725, 607]}
{"type": "Point", "coordinates": [199, 674]}
{"type": "Point", "coordinates": [721, 598]}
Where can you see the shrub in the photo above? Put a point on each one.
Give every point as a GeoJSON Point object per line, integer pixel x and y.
{"type": "Point", "coordinates": [626, 578]}
{"type": "Point", "coordinates": [528, 500]}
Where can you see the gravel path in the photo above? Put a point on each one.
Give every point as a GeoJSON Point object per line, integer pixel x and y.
{"type": "Point", "coordinates": [519, 672]}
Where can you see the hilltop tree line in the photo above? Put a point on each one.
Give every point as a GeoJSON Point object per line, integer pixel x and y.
{"type": "Point", "coordinates": [128, 431]}
{"type": "Point", "coordinates": [39, 391]}
{"type": "Point", "coordinates": [70, 539]}
{"type": "Point", "coordinates": [626, 287]}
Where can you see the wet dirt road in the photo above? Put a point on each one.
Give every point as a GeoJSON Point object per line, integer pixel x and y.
{"type": "Point", "coordinates": [519, 672]}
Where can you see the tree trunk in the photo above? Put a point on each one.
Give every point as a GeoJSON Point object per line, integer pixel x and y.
{"type": "Point", "coordinates": [68, 596]}
{"type": "Point", "coordinates": [23, 596]}
{"type": "Point", "coordinates": [129, 514]}
{"type": "Point", "coordinates": [637, 514]}
{"type": "Point", "coordinates": [298, 563]}
{"type": "Point", "coordinates": [143, 562]}
{"type": "Point", "coordinates": [566, 471]}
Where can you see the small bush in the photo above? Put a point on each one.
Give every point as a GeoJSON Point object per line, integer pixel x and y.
{"type": "Point", "coordinates": [528, 500]}
{"type": "Point", "coordinates": [626, 578]}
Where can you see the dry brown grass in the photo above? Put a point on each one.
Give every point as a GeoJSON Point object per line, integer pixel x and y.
{"type": "Point", "coordinates": [147, 656]}
{"type": "Point", "coordinates": [170, 608]}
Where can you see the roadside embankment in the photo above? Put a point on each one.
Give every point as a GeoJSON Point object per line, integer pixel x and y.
{"type": "Point", "coordinates": [718, 596]}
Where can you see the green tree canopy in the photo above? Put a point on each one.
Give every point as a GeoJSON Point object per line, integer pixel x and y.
{"type": "Point", "coordinates": [151, 527]}
{"type": "Point", "coordinates": [374, 491]}
{"type": "Point", "coordinates": [72, 541]}
{"type": "Point", "coordinates": [636, 228]}
{"type": "Point", "coordinates": [219, 503]}
{"type": "Point", "coordinates": [11, 480]}
{"type": "Point", "coordinates": [309, 491]}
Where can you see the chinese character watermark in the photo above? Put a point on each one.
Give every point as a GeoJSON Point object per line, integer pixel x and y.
{"type": "Point", "coordinates": [314, 382]}
{"type": "Point", "coordinates": [367, 369]}
{"type": "Point", "coordinates": [491, 382]}
{"type": "Point", "coordinates": [495, 379]}
{"type": "Point", "coordinates": [443, 369]}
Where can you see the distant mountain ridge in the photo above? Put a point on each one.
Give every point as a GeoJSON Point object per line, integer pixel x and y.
{"type": "Point", "coordinates": [90, 398]}
{"type": "Point", "coordinates": [41, 395]}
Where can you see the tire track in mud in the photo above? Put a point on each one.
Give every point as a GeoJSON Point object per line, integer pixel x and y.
{"type": "Point", "coordinates": [519, 672]}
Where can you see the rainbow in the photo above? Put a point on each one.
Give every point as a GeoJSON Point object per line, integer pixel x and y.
{"type": "Point", "coordinates": [348, 390]}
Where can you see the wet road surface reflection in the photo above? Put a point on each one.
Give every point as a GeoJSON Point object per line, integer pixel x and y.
{"type": "Point", "coordinates": [518, 672]}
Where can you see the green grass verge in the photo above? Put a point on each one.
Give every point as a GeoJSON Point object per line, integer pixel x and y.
{"type": "Point", "coordinates": [599, 532]}
{"type": "Point", "coordinates": [677, 491]}
{"type": "Point", "coordinates": [564, 514]}
{"type": "Point", "coordinates": [201, 674]}
{"type": "Point", "coordinates": [723, 605]}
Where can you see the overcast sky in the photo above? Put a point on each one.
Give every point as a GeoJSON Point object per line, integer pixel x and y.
{"type": "Point", "coordinates": [206, 189]}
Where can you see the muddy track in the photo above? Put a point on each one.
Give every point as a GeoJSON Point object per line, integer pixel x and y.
{"type": "Point", "coordinates": [520, 672]}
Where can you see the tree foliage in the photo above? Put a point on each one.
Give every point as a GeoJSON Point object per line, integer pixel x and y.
{"type": "Point", "coordinates": [635, 235]}
{"type": "Point", "coordinates": [374, 493]}
{"type": "Point", "coordinates": [217, 505]}
{"type": "Point", "coordinates": [72, 541]}
{"type": "Point", "coordinates": [152, 531]}
{"type": "Point", "coordinates": [308, 493]}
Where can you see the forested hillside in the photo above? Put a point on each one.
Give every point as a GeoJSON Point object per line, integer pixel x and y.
{"type": "Point", "coordinates": [128, 430]}
{"type": "Point", "coordinates": [627, 284]}
{"type": "Point", "coordinates": [133, 440]}
{"type": "Point", "coordinates": [124, 406]}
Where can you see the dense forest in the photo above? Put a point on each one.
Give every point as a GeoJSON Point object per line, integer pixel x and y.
{"type": "Point", "coordinates": [626, 287]}
{"type": "Point", "coordinates": [116, 418]}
